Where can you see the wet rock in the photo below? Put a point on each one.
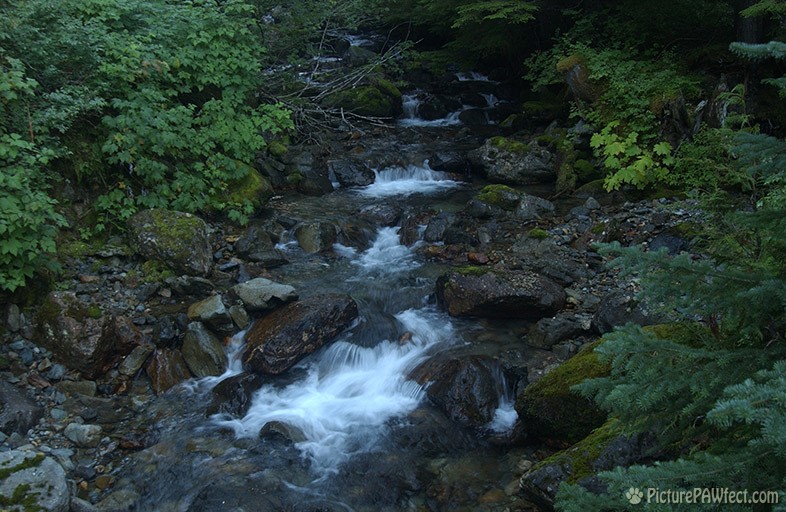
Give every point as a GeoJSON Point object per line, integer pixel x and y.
{"type": "Point", "coordinates": [126, 335]}
{"type": "Point", "coordinates": [279, 340]}
{"type": "Point", "coordinates": [550, 331]}
{"type": "Point", "coordinates": [453, 162]}
{"type": "Point", "coordinates": [18, 412]}
{"type": "Point", "coordinates": [178, 240]}
{"type": "Point", "coordinates": [166, 368]}
{"type": "Point", "coordinates": [603, 450]}
{"type": "Point", "coordinates": [253, 241]}
{"type": "Point", "coordinates": [492, 294]}
{"type": "Point", "coordinates": [551, 412]}
{"type": "Point", "coordinates": [280, 431]}
{"type": "Point", "coordinates": [435, 231]}
{"type": "Point", "coordinates": [212, 312]}
{"type": "Point", "coordinates": [316, 237]}
{"type": "Point", "coordinates": [466, 389]}
{"type": "Point", "coordinates": [190, 286]}
{"type": "Point", "coordinates": [532, 207]}
{"type": "Point", "coordinates": [202, 351]}
{"type": "Point", "coordinates": [82, 435]}
{"type": "Point", "coordinates": [239, 316]}
{"type": "Point", "coordinates": [508, 161]}
{"type": "Point", "coordinates": [41, 479]}
{"type": "Point", "coordinates": [135, 360]}
{"type": "Point", "coordinates": [74, 332]}
{"type": "Point", "coordinates": [262, 294]}
{"type": "Point", "coordinates": [166, 331]}
{"type": "Point", "coordinates": [381, 214]}
{"type": "Point", "coordinates": [350, 173]}
{"type": "Point", "coordinates": [233, 395]}
{"type": "Point", "coordinates": [591, 204]}
{"type": "Point", "coordinates": [619, 308]}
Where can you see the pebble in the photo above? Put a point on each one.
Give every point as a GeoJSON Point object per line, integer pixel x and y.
{"type": "Point", "coordinates": [17, 345]}
{"type": "Point", "coordinates": [58, 414]}
{"type": "Point", "coordinates": [56, 372]}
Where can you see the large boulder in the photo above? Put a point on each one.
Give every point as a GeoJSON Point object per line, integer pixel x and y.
{"type": "Point", "coordinates": [74, 332]}
{"type": "Point", "coordinates": [202, 351]}
{"type": "Point", "coordinates": [178, 240]}
{"type": "Point", "coordinates": [504, 201]}
{"type": "Point", "coordinates": [262, 294]}
{"type": "Point", "coordinates": [466, 388]}
{"type": "Point", "coordinates": [509, 161]}
{"type": "Point", "coordinates": [476, 291]}
{"type": "Point", "coordinates": [32, 481]}
{"type": "Point", "coordinates": [381, 99]}
{"type": "Point", "coordinates": [547, 332]}
{"type": "Point", "coordinates": [560, 263]}
{"type": "Point", "coordinates": [350, 173]}
{"type": "Point", "coordinates": [18, 412]}
{"type": "Point", "coordinates": [603, 450]}
{"type": "Point", "coordinates": [279, 340]}
{"type": "Point", "coordinates": [551, 412]}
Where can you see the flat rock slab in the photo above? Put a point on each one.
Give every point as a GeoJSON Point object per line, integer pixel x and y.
{"type": "Point", "coordinates": [33, 481]}
{"type": "Point", "coordinates": [18, 412]}
{"type": "Point", "coordinates": [279, 340]}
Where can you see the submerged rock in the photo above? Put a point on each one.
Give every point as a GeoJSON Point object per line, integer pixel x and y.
{"type": "Point", "coordinates": [467, 389]}
{"type": "Point", "coordinates": [279, 340]}
{"type": "Point", "coordinates": [477, 291]}
{"type": "Point", "coordinates": [316, 237]}
{"type": "Point", "coordinates": [34, 482]}
{"type": "Point", "coordinates": [350, 173]}
{"type": "Point", "coordinates": [178, 240]}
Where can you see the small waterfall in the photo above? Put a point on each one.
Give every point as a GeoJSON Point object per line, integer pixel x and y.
{"type": "Point", "coordinates": [349, 393]}
{"type": "Point", "coordinates": [411, 103]}
{"type": "Point", "coordinates": [412, 179]}
{"type": "Point", "coordinates": [491, 100]}
{"type": "Point", "coordinates": [387, 254]}
{"type": "Point", "coordinates": [472, 76]}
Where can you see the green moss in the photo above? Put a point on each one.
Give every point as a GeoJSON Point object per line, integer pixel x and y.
{"type": "Point", "coordinates": [32, 462]}
{"type": "Point", "coordinates": [277, 149]}
{"type": "Point", "coordinates": [295, 178]}
{"type": "Point", "coordinates": [578, 459]}
{"type": "Point", "coordinates": [552, 411]}
{"type": "Point", "coordinates": [569, 62]}
{"type": "Point", "coordinates": [388, 88]}
{"type": "Point", "coordinates": [538, 234]}
{"type": "Point", "coordinates": [499, 195]}
{"type": "Point", "coordinates": [365, 101]}
{"type": "Point", "coordinates": [585, 171]}
{"type": "Point", "coordinates": [547, 108]}
{"type": "Point", "coordinates": [566, 178]}
{"type": "Point", "coordinates": [253, 188]}
{"type": "Point", "coordinates": [93, 311]}
{"type": "Point", "coordinates": [155, 272]}
{"type": "Point", "coordinates": [690, 334]}
{"type": "Point", "coordinates": [21, 497]}
{"type": "Point", "coordinates": [688, 229]}
{"type": "Point", "coordinates": [509, 145]}
{"type": "Point", "coordinates": [598, 228]}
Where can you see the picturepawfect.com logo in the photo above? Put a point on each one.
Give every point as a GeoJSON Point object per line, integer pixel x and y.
{"type": "Point", "coordinates": [703, 495]}
{"type": "Point", "coordinates": [634, 495]}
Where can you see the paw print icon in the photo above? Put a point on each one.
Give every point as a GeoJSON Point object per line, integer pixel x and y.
{"type": "Point", "coordinates": [634, 495]}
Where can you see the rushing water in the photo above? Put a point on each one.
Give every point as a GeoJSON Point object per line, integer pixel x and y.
{"type": "Point", "coordinates": [362, 432]}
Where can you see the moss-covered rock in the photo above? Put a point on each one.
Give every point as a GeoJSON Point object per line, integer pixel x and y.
{"type": "Point", "coordinates": [500, 196]}
{"type": "Point", "coordinates": [277, 150]}
{"type": "Point", "coordinates": [254, 188]}
{"type": "Point", "coordinates": [380, 99]}
{"type": "Point", "coordinates": [30, 481]}
{"type": "Point", "coordinates": [178, 240]}
{"type": "Point", "coordinates": [505, 160]}
{"type": "Point", "coordinates": [604, 449]}
{"type": "Point", "coordinates": [538, 234]}
{"type": "Point", "coordinates": [550, 411]}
